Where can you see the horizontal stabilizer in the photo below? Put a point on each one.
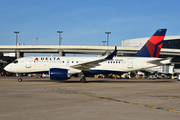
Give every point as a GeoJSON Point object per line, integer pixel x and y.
{"type": "Point", "coordinates": [158, 61]}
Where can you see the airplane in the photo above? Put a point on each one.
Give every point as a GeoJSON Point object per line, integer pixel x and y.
{"type": "Point", "coordinates": [61, 68]}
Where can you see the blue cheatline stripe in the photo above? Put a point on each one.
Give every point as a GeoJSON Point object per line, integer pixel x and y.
{"type": "Point", "coordinates": [103, 71]}
{"type": "Point", "coordinates": [156, 46]}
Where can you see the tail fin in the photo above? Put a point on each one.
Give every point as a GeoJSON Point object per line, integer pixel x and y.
{"type": "Point", "coordinates": [153, 45]}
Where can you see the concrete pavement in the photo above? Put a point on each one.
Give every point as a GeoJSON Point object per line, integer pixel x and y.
{"type": "Point", "coordinates": [41, 98]}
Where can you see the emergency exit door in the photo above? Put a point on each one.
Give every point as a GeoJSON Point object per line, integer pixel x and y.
{"type": "Point", "coordinates": [130, 63]}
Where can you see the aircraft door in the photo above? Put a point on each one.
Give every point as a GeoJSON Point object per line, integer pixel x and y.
{"type": "Point", "coordinates": [130, 63]}
{"type": "Point", "coordinates": [28, 62]}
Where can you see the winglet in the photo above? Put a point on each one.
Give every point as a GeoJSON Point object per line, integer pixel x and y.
{"type": "Point", "coordinates": [112, 54]}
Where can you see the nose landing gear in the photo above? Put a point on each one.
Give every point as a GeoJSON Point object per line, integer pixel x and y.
{"type": "Point", "coordinates": [20, 79]}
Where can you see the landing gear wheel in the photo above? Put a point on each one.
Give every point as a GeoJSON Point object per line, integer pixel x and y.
{"type": "Point", "coordinates": [20, 80]}
{"type": "Point", "coordinates": [83, 80]}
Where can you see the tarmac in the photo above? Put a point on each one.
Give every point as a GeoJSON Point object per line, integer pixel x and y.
{"type": "Point", "coordinates": [98, 99]}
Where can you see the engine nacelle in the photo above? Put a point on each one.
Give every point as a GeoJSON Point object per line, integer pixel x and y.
{"type": "Point", "coordinates": [58, 74]}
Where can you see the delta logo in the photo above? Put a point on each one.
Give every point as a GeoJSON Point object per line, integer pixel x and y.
{"type": "Point", "coordinates": [36, 59]}
{"type": "Point", "coordinates": [47, 58]}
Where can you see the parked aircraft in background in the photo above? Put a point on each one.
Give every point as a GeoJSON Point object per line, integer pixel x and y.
{"type": "Point", "coordinates": [61, 68]}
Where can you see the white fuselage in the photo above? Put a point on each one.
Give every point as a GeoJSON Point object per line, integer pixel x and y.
{"type": "Point", "coordinates": [117, 64]}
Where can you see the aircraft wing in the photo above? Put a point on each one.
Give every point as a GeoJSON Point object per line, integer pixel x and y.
{"type": "Point", "coordinates": [88, 65]}
{"type": "Point", "coordinates": [158, 61]}
{"type": "Point", "coordinates": [91, 64]}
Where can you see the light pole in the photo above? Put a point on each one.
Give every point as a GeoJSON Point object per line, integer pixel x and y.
{"type": "Point", "coordinates": [107, 37]}
{"type": "Point", "coordinates": [103, 43]}
{"type": "Point", "coordinates": [60, 36]}
{"type": "Point", "coordinates": [16, 35]}
{"type": "Point", "coordinates": [36, 40]}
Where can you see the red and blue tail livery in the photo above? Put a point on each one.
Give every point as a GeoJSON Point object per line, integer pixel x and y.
{"type": "Point", "coordinates": [153, 46]}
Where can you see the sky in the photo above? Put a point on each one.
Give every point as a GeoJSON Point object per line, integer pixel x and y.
{"type": "Point", "coordinates": [84, 22]}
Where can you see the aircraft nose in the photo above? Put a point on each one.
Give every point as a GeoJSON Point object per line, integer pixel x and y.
{"type": "Point", "coordinates": [7, 68]}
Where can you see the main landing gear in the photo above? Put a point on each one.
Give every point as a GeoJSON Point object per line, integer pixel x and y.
{"type": "Point", "coordinates": [83, 79]}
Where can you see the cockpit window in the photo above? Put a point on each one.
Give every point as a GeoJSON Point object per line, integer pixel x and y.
{"type": "Point", "coordinates": [15, 62]}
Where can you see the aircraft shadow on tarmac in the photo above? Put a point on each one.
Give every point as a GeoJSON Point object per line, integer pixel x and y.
{"type": "Point", "coordinates": [104, 81]}
{"type": "Point", "coordinates": [37, 81]}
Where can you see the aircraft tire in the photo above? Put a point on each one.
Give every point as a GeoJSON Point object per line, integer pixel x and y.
{"type": "Point", "coordinates": [83, 80]}
{"type": "Point", "coordinates": [20, 80]}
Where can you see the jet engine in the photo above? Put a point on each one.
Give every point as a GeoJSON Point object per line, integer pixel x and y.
{"type": "Point", "coordinates": [58, 74]}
